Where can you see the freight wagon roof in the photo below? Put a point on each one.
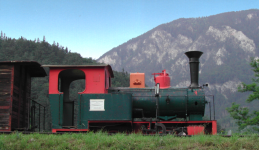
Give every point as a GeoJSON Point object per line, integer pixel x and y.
{"type": "Point", "coordinates": [82, 66]}
{"type": "Point", "coordinates": [34, 68]}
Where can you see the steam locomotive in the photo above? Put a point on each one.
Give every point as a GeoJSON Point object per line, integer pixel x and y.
{"type": "Point", "coordinates": [149, 110]}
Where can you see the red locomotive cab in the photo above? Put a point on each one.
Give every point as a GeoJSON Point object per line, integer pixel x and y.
{"type": "Point", "coordinates": [163, 79]}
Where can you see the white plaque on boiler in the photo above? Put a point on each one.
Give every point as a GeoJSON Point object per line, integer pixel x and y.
{"type": "Point", "coordinates": [97, 105]}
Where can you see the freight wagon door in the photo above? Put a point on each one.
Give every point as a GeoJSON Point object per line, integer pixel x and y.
{"type": "Point", "coordinates": [5, 97]}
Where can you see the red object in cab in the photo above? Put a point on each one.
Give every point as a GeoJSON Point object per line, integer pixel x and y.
{"type": "Point", "coordinates": [163, 79]}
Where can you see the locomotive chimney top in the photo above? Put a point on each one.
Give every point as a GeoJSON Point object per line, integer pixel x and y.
{"type": "Point", "coordinates": [194, 67]}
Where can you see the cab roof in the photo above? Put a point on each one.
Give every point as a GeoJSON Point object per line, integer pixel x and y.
{"type": "Point", "coordinates": [82, 66]}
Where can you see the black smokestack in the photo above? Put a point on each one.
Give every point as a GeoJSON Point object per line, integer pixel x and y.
{"type": "Point", "coordinates": [194, 67]}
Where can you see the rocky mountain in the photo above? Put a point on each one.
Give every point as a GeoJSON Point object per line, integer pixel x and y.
{"type": "Point", "coordinates": [228, 41]}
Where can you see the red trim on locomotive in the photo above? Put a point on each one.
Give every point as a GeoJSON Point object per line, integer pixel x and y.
{"type": "Point", "coordinates": [195, 130]}
{"type": "Point", "coordinates": [68, 130]}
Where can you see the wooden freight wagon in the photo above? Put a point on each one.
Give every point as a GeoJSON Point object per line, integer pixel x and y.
{"type": "Point", "coordinates": [15, 91]}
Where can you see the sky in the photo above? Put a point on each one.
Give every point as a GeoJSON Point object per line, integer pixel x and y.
{"type": "Point", "coordinates": [93, 27]}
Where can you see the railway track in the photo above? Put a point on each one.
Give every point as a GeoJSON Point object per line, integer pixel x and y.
{"type": "Point", "coordinates": [61, 133]}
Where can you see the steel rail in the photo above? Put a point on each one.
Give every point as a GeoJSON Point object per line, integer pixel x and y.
{"type": "Point", "coordinates": [60, 133]}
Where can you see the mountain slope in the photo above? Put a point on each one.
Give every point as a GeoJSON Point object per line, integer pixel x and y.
{"type": "Point", "coordinates": [228, 41]}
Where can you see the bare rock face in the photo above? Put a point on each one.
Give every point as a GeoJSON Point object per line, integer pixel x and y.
{"type": "Point", "coordinates": [228, 42]}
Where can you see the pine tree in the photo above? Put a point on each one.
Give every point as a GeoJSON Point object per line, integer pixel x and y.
{"type": "Point", "coordinates": [244, 117]}
{"type": "Point", "coordinates": [66, 50]}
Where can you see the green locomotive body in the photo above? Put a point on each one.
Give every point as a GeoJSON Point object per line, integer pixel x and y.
{"type": "Point", "coordinates": [172, 103]}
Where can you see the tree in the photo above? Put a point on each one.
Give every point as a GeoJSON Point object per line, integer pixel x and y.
{"type": "Point", "coordinates": [244, 117]}
{"type": "Point", "coordinates": [121, 79]}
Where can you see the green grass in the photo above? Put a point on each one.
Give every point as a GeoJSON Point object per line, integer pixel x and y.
{"type": "Point", "coordinates": [122, 141]}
